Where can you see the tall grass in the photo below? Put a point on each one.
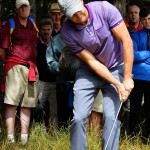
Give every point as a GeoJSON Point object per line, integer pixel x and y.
{"type": "Point", "coordinates": [55, 139]}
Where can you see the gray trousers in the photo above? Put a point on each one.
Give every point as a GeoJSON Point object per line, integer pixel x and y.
{"type": "Point", "coordinates": [86, 87]}
{"type": "Point", "coordinates": [47, 92]}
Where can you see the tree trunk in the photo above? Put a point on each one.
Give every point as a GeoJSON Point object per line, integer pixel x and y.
{"type": "Point", "coordinates": [33, 9]}
{"type": "Point", "coordinates": [121, 5]}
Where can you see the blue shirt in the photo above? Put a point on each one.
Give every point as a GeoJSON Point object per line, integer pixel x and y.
{"type": "Point", "coordinates": [96, 36]}
{"type": "Point", "coordinates": [141, 65]}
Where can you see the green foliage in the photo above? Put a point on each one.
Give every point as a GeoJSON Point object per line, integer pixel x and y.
{"type": "Point", "coordinates": [40, 8]}
{"type": "Point", "coordinates": [7, 9]}
{"type": "Point", "coordinates": [140, 3]}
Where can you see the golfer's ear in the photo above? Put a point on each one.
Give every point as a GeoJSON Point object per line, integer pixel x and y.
{"type": "Point", "coordinates": [82, 1]}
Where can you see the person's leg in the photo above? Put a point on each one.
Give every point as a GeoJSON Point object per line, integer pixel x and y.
{"type": "Point", "coordinates": [52, 103]}
{"type": "Point", "coordinates": [25, 119]}
{"type": "Point", "coordinates": [84, 95]}
{"type": "Point", "coordinates": [1, 95]}
{"type": "Point", "coordinates": [25, 123]}
{"type": "Point", "coordinates": [28, 101]}
{"type": "Point", "coordinates": [10, 117]}
{"type": "Point", "coordinates": [135, 107]}
{"type": "Point", "coordinates": [147, 110]}
{"type": "Point", "coordinates": [13, 91]}
{"type": "Point", "coordinates": [69, 100]}
{"type": "Point", "coordinates": [42, 108]}
{"type": "Point", "coordinates": [38, 110]}
{"type": "Point", "coordinates": [19, 91]}
{"type": "Point", "coordinates": [111, 106]}
{"type": "Point", "coordinates": [43, 104]}
{"type": "Point", "coordinates": [61, 104]}
{"type": "Point", "coordinates": [42, 94]}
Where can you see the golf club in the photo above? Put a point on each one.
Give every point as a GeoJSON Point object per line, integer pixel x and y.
{"type": "Point", "coordinates": [113, 125]}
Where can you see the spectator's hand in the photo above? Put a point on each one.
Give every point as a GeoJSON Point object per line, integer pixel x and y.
{"type": "Point", "coordinates": [128, 85]}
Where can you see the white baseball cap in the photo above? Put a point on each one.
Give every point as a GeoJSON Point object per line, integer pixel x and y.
{"type": "Point", "coordinates": [19, 3]}
{"type": "Point", "coordinates": [70, 7]}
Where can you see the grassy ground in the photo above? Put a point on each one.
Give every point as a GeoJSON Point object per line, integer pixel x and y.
{"type": "Point", "coordinates": [39, 139]}
{"type": "Point", "coordinates": [59, 140]}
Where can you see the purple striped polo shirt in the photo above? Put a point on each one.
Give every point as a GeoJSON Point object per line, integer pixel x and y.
{"type": "Point", "coordinates": [96, 36]}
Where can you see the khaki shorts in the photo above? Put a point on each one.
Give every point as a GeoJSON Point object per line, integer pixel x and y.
{"type": "Point", "coordinates": [18, 90]}
{"type": "Point", "coordinates": [98, 103]}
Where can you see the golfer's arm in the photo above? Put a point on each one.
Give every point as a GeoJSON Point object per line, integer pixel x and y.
{"type": "Point", "coordinates": [97, 67]}
{"type": "Point", "coordinates": [122, 34]}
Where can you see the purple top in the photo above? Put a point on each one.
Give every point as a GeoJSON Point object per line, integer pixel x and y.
{"type": "Point", "coordinates": [96, 36]}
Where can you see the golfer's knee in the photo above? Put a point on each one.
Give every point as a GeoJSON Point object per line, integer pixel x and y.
{"type": "Point", "coordinates": [82, 117]}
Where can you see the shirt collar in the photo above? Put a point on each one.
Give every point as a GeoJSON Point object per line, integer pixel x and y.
{"type": "Point", "coordinates": [90, 12]}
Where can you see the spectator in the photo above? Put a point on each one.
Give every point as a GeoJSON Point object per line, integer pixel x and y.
{"type": "Point", "coordinates": [141, 74]}
{"type": "Point", "coordinates": [53, 54]}
{"type": "Point", "coordinates": [1, 93]}
{"type": "Point", "coordinates": [103, 44]}
{"type": "Point", "coordinates": [21, 76]}
{"type": "Point", "coordinates": [64, 112]}
{"type": "Point", "coordinates": [47, 83]}
{"type": "Point", "coordinates": [133, 22]}
{"type": "Point", "coordinates": [55, 14]}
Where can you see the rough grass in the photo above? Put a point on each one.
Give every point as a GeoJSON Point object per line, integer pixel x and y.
{"type": "Point", "coordinates": [59, 140]}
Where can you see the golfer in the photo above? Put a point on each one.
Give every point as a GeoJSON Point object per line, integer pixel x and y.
{"type": "Point", "coordinates": [96, 33]}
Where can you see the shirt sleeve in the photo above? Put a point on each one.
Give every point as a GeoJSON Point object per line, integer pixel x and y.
{"type": "Point", "coordinates": [53, 53]}
{"type": "Point", "coordinates": [71, 42]}
{"type": "Point", "coordinates": [112, 14]}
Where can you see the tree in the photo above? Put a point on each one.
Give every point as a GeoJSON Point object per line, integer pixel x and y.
{"type": "Point", "coordinates": [121, 5]}
{"type": "Point", "coordinates": [7, 9]}
{"type": "Point", "coordinates": [40, 8]}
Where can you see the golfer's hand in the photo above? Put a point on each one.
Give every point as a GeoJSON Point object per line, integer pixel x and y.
{"type": "Point", "coordinates": [128, 85]}
{"type": "Point", "coordinates": [123, 94]}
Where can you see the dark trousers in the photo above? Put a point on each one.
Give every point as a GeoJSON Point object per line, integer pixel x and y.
{"type": "Point", "coordinates": [64, 111]}
{"type": "Point", "coordinates": [1, 94]}
{"type": "Point", "coordinates": [141, 90]}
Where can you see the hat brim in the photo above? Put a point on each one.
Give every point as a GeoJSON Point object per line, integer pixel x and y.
{"type": "Point", "coordinates": [70, 12]}
{"type": "Point", "coordinates": [55, 10]}
{"type": "Point", "coordinates": [24, 3]}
